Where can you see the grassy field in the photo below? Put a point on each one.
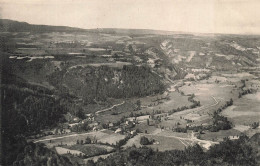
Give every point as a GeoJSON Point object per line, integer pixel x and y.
{"type": "Point", "coordinates": [245, 110]}
{"type": "Point", "coordinates": [176, 100]}
{"type": "Point", "coordinates": [162, 143]}
{"type": "Point", "coordinates": [62, 150]}
{"type": "Point", "coordinates": [69, 140]}
{"type": "Point", "coordinates": [112, 138]}
{"type": "Point", "coordinates": [218, 136]}
{"type": "Point", "coordinates": [165, 143]}
{"type": "Point", "coordinates": [92, 149]}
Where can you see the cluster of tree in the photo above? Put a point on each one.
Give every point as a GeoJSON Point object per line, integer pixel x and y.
{"type": "Point", "coordinates": [191, 99]}
{"type": "Point", "coordinates": [87, 141]}
{"type": "Point", "coordinates": [37, 154]}
{"type": "Point", "coordinates": [145, 141]}
{"type": "Point", "coordinates": [220, 123]}
{"type": "Point", "coordinates": [136, 114]}
{"type": "Point", "coordinates": [195, 102]}
{"type": "Point", "coordinates": [181, 130]}
{"type": "Point", "coordinates": [99, 83]}
{"type": "Point", "coordinates": [238, 152]}
{"type": "Point", "coordinates": [243, 84]}
{"type": "Point", "coordinates": [255, 125]}
{"type": "Point", "coordinates": [122, 142]}
{"type": "Point", "coordinates": [245, 92]}
{"type": "Point", "coordinates": [178, 109]}
{"type": "Point", "coordinates": [81, 127]}
{"type": "Point", "coordinates": [228, 103]}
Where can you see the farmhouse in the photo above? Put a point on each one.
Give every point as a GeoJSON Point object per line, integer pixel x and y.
{"type": "Point", "coordinates": [233, 137]}
{"type": "Point", "coordinates": [119, 130]}
{"type": "Point", "coordinates": [73, 124]}
{"type": "Point", "coordinates": [111, 125]}
{"type": "Point", "coordinates": [93, 124]}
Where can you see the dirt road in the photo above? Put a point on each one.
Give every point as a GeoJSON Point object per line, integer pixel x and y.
{"type": "Point", "coordinates": [107, 109]}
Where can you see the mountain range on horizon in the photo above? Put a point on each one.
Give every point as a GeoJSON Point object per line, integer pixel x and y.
{"type": "Point", "coordinates": [7, 25]}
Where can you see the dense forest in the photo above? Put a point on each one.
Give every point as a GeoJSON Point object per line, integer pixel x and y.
{"type": "Point", "coordinates": [99, 83]}
{"type": "Point", "coordinates": [26, 110]}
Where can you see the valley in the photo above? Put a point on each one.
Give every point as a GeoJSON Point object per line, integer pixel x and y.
{"type": "Point", "coordinates": [84, 94]}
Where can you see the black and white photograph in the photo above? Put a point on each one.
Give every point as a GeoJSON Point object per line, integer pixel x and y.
{"type": "Point", "coordinates": [130, 82]}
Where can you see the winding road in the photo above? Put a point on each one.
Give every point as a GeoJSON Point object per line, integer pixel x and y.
{"type": "Point", "coordinates": [107, 109]}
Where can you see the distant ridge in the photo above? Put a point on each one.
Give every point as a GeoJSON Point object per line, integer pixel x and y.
{"type": "Point", "coordinates": [16, 26]}
{"type": "Point", "coordinates": [7, 25]}
{"type": "Point", "coordinates": [135, 31]}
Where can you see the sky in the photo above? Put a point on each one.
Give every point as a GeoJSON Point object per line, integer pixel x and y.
{"type": "Point", "coordinates": [200, 16]}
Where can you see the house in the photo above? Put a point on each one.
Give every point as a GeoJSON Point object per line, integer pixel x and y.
{"type": "Point", "coordinates": [129, 125]}
{"type": "Point", "coordinates": [65, 126]}
{"type": "Point", "coordinates": [76, 119]}
{"type": "Point", "coordinates": [111, 125]}
{"type": "Point", "coordinates": [66, 131]}
{"type": "Point", "coordinates": [233, 137]}
{"type": "Point", "coordinates": [73, 124]}
{"type": "Point", "coordinates": [90, 117]}
{"type": "Point", "coordinates": [57, 131]}
{"type": "Point", "coordinates": [84, 121]}
{"type": "Point", "coordinates": [93, 124]}
{"type": "Point", "coordinates": [95, 129]}
{"type": "Point", "coordinates": [119, 130]}
{"type": "Point", "coordinates": [48, 132]}
{"type": "Point", "coordinates": [133, 132]}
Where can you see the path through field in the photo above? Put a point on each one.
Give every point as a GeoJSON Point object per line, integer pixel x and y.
{"type": "Point", "coordinates": [110, 107]}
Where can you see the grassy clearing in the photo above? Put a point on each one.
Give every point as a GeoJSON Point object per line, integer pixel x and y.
{"type": "Point", "coordinates": [92, 149]}
{"type": "Point", "coordinates": [69, 140]}
{"type": "Point", "coordinates": [162, 143]}
{"type": "Point", "coordinates": [111, 138]}
{"type": "Point", "coordinates": [142, 127]}
{"type": "Point", "coordinates": [176, 101]}
{"type": "Point", "coordinates": [245, 110]}
{"type": "Point", "coordinates": [61, 150]}
{"type": "Point", "coordinates": [166, 143]}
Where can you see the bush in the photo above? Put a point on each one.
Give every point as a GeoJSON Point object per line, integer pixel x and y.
{"type": "Point", "coordinates": [144, 141]}
{"type": "Point", "coordinates": [255, 125]}
{"type": "Point", "coordinates": [88, 140]}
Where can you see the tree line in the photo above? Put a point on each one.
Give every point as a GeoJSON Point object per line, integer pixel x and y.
{"type": "Point", "coordinates": [229, 152]}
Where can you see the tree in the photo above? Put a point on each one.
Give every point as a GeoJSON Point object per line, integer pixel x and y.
{"type": "Point", "coordinates": [255, 125]}
{"type": "Point", "coordinates": [90, 163]}
{"type": "Point", "coordinates": [144, 141]}
{"type": "Point", "coordinates": [138, 103]}
{"type": "Point", "coordinates": [88, 140]}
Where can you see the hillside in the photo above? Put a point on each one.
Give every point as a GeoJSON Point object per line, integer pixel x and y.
{"type": "Point", "coordinates": [15, 26]}
{"type": "Point", "coordinates": [71, 95]}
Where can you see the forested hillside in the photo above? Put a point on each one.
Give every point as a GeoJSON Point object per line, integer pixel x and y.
{"type": "Point", "coordinates": [26, 110]}
{"type": "Point", "coordinates": [100, 83]}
